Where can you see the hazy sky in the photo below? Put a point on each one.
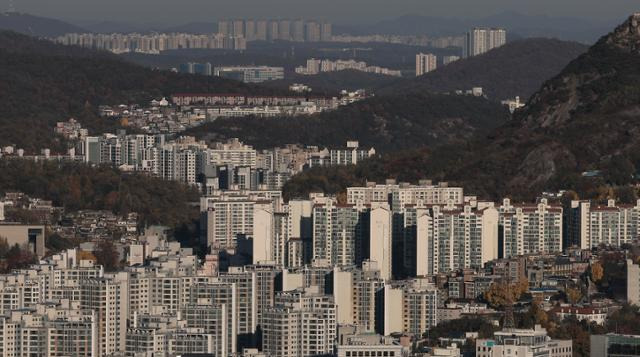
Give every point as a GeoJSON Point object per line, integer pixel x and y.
{"type": "Point", "coordinates": [341, 11]}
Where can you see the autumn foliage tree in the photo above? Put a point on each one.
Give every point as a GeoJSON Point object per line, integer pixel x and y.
{"type": "Point", "coordinates": [596, 271]}
{"type": "Point", "coordinates": [503, 293]}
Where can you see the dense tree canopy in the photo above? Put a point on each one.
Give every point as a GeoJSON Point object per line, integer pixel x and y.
{"type": "Point", "coordinates": [42, 83]}
{"type": "Point", "coordinates": [78, 186]}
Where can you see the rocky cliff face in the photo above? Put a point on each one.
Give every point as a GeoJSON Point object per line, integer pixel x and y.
{"type": "Point", "coordinates": [627, 36]}
{"type": "Point", "coordinates": [585, 118]}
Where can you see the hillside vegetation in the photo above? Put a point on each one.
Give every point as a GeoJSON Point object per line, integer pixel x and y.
{"type": "Point", "coordinates": [387, 123]}
{"type": "Point", "coordinates": [42, 83]}
{"type": "Point", "coordinates": [518, 68]}
{"type": "Point", "coordinates": [77, 186]}
{"type": "Point", "coordinates": [587, 118]}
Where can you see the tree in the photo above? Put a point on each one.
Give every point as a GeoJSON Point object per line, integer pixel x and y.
{"type": "Point", "coordinates": [573, 295]}
{"type": "Point", "coordinates": [107, 255]}
{"type": "Point", "coordinates": [535, 316]}
{"type": "Point", "coordinates": [503, 293]}
{"type": "Point", "coordinates": [19, 258]}
{"type": "Point", "coordinates": [596, 272]}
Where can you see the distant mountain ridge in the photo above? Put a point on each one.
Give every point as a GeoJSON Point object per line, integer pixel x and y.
{"type": "Point", "coordinates": [35, 25]}
{"type": "Point", "coordinates": [585, 119]}
{"type": "Point", "coordinates": [42, 83]}
{"type": "Point", "coordinates": [516, 69]}
{"type": "Point", "coordinates": [387, 123]}
{"type": "Point", "coordinates": [518, 25]}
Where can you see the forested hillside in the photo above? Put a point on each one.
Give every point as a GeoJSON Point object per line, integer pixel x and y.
{"type": "Point", "coordinates": [77, 186]}
{"type": "Point", "coordinates": [387, 123]}
{"type": "Point", "coordinates": [42, 83]}
{"type": "Point", "coordinates": [516, 69]}
{"type": "Point", "coordinates": [587, 118]}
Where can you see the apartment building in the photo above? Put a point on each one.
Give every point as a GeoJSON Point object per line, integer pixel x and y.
{"type": "Point", "coordinates": [425, 63]}
{"type": "Point", "coordinates": [592, 225]}
{"type": "Point", "coordinates": [530, 228]}
{"type": "Point", "coordinates": [250, 74]}
{"type": "Point", "coordinates": [401, 194]}
{"type": "Point", "coordinates": [301, 323]}
{"type": "Point", "coordinates": [50, 330]}
{"type": "Point", "coordinates": [454, 237]}
{"type": "Point", "coordinates": [481, 40]}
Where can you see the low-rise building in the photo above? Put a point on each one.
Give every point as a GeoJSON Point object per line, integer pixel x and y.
{"type": "Point", "coordinates": [615, 345]}
{"type": "Point", "coordinates": [522, 342]}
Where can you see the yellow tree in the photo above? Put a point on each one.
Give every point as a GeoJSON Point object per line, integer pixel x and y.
{"type": "Point", "coordinates": [597, 272]}
{"type": "Point", "coordinates": [503, 293]}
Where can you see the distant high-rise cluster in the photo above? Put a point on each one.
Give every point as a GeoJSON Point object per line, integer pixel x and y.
{"type": "Point", "coordinates": [481, 40]}
{"type": "Point", "coordinates": [272, 30]}
{"type": "Point", "coordinates": [250, 74]}
{"type": "Point", "coordinates": [204, 69]}
{"type": "Point", "coordinates": [425, 63]}
{"type": "Point", "coordinates": [315, 66]}
{"type": "Point", "coordinates": [152, 43]}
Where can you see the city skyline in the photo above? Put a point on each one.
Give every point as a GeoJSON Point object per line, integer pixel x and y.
{"type": "Point", "coordinates": [277, 178]}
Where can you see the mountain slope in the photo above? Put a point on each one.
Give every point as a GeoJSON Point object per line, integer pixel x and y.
{"type": "Point", "coordinates": [334, 82]}
{"type": "Point", "coordinates": [516, 69]}
{"type": "Point", "coordinates": [42, 83]}
{"type": "Point", "coordinates": [587, 118]}
{"type": "Point", "coordinates": [35, 25]}
{"type": "Point", "coordinates": [387, 123]}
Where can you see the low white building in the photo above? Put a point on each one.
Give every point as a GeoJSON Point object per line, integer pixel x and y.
{"type": "Point", "coordinates": [369, 345]}
{"type": "Point", "coordinates": [589, 314]}
{"type": "Point", "coordinates": [523, 342]}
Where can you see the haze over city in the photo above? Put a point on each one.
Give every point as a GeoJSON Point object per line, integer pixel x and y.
{"type": "Point", "coordinates": [343, 11]}
{"type": "Point", "coordinates": [337, 178]}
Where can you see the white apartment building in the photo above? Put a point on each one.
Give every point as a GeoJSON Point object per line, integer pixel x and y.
{"type": "Point", "coordinates": [449, 59]}
{"type": "Point", "coordinates": [351, 155]}
{"type": "Point", "coordinates": [301, 323]}
{"type": "Point", "coordinates": [453, 237]}
{"type": "Point", "coordinates": [405, 194]}
{"type": "Point", "coordinates": [233, 153]}
{"type": "Point", "coordinates": [225, 219]}
{"type": "Point", "coordinates": [49, 330]}
{"type": "Point", "coordinates": [337, 234]}
{"type": "Point", "coordinates": [246, 292]}
{"type": "Point", "coordinates": [530, 229]}
{"type": "Point", "coordinates": [250, 74]}
{"type": "Point", "coordinates": [380, 233]}
{"type": "Point", "coordinates": [355, 291]}
{"type": "Point", "coordinates": [108, 298]}
{"type": "Point", "coordinates": [592, 225]}
{"type": "Point", "coordinates": [481, 40]}
{"type": "Point", "coordinates": [425, 63]}
{"type": "Point", "coordinates": [420, 308]}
